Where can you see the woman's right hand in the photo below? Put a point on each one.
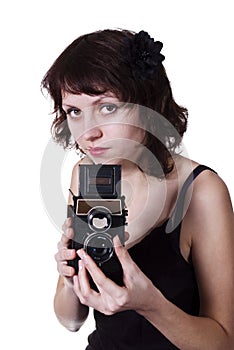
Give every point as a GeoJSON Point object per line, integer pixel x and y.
{"type": "Point", "coordinates": [64, 253]}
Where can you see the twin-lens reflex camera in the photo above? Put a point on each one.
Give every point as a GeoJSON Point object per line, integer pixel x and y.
{"type": "Point", "coordinates": [98, 215]}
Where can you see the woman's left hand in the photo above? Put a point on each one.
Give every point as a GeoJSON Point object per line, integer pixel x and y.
{"type": "Point", "coordinates": [137, 293]}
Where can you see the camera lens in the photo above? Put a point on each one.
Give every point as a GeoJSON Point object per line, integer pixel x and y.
{"type": "Point", "coordinates": [99, 219]}
{"type": "Point", "coordinates": [99, 247]}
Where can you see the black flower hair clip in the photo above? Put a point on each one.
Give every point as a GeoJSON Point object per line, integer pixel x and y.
{"type": "Point", "coordinates": [144, 55]}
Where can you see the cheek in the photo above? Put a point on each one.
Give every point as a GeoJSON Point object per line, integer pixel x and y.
{"type": "Point", "coordinates": [75, 129]}
{"type": "Point", "coordinates": [125, 133]}
{"type": "Point", "coordinates": [137, 134]}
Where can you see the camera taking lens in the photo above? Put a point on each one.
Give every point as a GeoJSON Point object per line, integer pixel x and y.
{"type": "Point", "coordinates": [99, 247]}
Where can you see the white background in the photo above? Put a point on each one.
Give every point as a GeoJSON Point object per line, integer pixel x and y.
{"type": "Point", "coordinates": [198, 45]}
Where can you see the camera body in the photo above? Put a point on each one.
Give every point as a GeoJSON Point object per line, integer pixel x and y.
{"type": "Point", "coordinates": [98, 215]}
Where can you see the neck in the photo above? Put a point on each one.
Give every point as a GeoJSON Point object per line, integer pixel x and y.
{"type": "Point", "coordinates": [130, 169]}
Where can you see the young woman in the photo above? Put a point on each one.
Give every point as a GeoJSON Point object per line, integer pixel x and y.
{"type": "Point", "coordinates": [114, 103]}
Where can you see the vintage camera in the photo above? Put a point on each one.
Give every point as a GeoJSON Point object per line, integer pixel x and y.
{"type": "Point", "coordinates": [98, 215]}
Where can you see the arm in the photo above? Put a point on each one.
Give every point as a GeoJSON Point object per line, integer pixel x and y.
{"type": "Point", "coordinates": [68, 309]}
{"type": "Point", "coordinates": [209, 223]}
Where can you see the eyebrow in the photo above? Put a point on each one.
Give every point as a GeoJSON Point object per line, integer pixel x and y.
{"type": "Point", "coordinates": [93, 103]}
{"type": "Point", "coordinates": [70, 106]}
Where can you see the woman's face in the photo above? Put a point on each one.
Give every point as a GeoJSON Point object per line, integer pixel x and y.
{"type": "Point", "coordinates": [106, 129]}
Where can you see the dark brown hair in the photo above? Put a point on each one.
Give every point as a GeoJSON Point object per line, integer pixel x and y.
{"type": "Point", "coordinates": [96, 63]}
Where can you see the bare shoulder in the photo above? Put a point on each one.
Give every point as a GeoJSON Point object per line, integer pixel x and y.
{"type": "Point", "coordinates": [210, 193]}
{"type": "Point", "coordinates": [210, 206]}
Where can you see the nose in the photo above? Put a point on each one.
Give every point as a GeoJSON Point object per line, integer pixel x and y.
{"type": "Point", "coordinates": [91, 129]}
{"type": "Point", "coordinates": [92, 134]}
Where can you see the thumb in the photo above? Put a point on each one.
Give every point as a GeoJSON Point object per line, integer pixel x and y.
{"type": "Point", "coordinates": [122, 253]}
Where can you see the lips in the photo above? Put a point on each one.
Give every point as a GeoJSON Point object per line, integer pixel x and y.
{"type": "Point", "coordinates": [97, 151]}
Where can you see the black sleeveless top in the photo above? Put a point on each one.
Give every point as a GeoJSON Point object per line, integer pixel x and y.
{"type": "Point", "coordinates": [158, 256]}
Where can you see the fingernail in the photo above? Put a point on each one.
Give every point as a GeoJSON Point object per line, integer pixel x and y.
{"type": "Point", "coordinates": [80, 253]}
{"type": "Point", "coordinates": [83, 256]}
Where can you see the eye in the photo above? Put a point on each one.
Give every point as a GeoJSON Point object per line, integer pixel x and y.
{"type": "Point", "coordinates": [108, 108]}
{"type": "Point", "coordinates": [73, 113]}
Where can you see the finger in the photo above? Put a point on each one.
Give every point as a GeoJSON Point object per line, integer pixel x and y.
{"type": "Point", "coordinates": [102, 282]}
{"type": "Point", "coordinates": [117, 242]}
{"type": "Point", "coordinates": [65, 254]}
{"type": "Point", "coordinates": [82, 287]}
{"type": "Point", "coordinates": [65, 238]}
{"type": "Point", "coordinates": [67, 235]}
{"type": "Point", "coordinates": [84, 280]}
{"type": "Point", "coordinates": [65, 270]}
{"type": "Point", "coordinates": [77, 290]}
{"type": "Point", "coordinates": [67, 223]}
{"type": "Point", "coordinates": [76, 286]}
{"type": "Point", "coordinates": [124, 257]}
